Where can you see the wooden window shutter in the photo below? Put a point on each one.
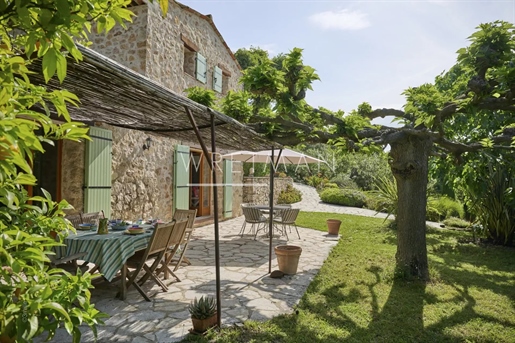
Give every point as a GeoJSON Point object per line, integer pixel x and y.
{"type": "Point", "coordinates": [97, 174]}
{"type": "Point", "coordinates": [201, 68]}
{"type": "Point", "coordinates": [217, 79]}
{"type": "Point", "coordinates": [227, 188]}
{"type": "Point", "coordinates": [181, 168]}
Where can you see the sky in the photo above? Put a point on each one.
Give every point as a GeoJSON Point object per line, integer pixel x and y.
{"type": "Point", "coordinates": [362, 50]}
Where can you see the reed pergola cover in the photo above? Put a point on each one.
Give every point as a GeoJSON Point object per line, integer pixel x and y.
{"type": "Point", "coordinates": [113, 94]}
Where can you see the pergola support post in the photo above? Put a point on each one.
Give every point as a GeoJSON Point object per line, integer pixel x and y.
{"type": "Point", "coordinates": [215, 199]}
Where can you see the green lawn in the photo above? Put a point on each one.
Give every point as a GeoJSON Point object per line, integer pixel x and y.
{"type": "Point", "coordinates": [356, 297]}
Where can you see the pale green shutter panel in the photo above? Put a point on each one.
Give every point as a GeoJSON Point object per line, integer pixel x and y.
{"type": "Point", "coordinates": [217, 79]}
{"type": "Point", "coordinates": [227, 188]}
{"type": "Point", "coordinates": [97, 176]}
{"type": "Point", "coordinates": [181, 168]}
{"type": "Point", "coordinates": [201, 68]}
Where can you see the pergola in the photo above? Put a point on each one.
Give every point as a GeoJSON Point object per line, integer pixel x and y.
{"type": "Point", "coordinates": [113, 94]}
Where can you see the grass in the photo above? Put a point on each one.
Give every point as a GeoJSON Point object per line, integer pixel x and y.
{"type": "Point", "coordinates": [356, 297]}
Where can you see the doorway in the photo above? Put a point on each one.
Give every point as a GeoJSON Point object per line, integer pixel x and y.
{"type": "Point", "coordinates": [46, 167]}
{"type": "Point", "coordinates": [200, 180]}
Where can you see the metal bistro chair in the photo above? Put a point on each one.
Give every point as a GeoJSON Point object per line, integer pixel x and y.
{"type": "Point", "coordinates": [254, 217]}
{"type": "Point", "coordinates": [287, 219]}
{"type": "Point", "coordinates": [155, 250]}
{"type": "Point", "coordinates": [190, 215]}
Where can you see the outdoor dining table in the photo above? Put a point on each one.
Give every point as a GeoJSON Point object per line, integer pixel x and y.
{"type": "Point", "coordinates": [108, 252]}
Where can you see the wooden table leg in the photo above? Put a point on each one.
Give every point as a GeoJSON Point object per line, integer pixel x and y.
{"type": "Point", "coordinates": [123, 283]}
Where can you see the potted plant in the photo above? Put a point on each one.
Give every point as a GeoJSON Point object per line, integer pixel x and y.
{"type": "Point", "coordinates": [333, 226]}
{"type": "Point", "coordinates": [203, 313]}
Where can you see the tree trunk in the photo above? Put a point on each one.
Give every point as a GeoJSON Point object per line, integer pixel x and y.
{"type": "Point", "coordinates": [409, 166]}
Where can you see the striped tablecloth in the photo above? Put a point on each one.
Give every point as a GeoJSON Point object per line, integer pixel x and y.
{"type": "Point", "coordinates": [109, 252]}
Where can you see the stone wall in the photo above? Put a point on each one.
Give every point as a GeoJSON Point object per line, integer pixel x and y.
{"type": "Point", "coordinates": [126, 46]}
{"type": "Point", "coordinates": [142, 180]}
{"type": "Point", "coordinates": [152, 46]}
{"type": "Point", "coordinates": [257, 189]}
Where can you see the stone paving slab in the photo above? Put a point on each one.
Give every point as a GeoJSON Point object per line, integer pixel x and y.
{"type": "Point", "coordinates": [246, 289]}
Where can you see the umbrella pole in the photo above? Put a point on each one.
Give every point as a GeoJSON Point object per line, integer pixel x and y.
{"type": "Point", "coordinates": [271, 215]}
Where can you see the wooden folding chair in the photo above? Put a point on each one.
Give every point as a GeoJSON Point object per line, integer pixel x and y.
{"type": "Point", "coordinates": [75, 219]}
{"type": "Point", "coordinates": [190, 215]}
{"type": "Point", "coordinates": [174, 243]}
{"type": "Point", "coordinates": [92, 217]}
{"type": "Point", "coordinates": [156, 249]}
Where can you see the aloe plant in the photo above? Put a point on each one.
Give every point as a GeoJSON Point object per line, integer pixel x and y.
{"type": "Point", "coordinates": [202, 308]}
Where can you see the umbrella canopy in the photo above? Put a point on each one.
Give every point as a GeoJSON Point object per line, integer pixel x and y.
{"type": "Point", "coordinates": [265, 156]}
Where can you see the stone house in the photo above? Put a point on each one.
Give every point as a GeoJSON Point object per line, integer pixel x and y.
{"type": "Point", "coordinates": [139, 173]}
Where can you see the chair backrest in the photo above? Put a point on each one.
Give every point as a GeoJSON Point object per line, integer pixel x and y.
{"type": "Point", "coordinates": [160, 238]}
{"type": "Point", "coordinates": [178, 233]}
{"type": "Point", "coordinates": [289, 215]}
{"type": "Point", "coordinates": [247, 204]}
{"type": "Point", "coordinates": [92, 217]}
{"type": "Point", "coordinates": [252, 214]}
{"type": "Point", "coordinates": [183, 214]}
{"type": "Point", "coordinates": [75, 219]}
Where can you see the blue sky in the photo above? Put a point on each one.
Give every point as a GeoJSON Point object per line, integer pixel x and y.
{"type": "Point", "coordinates": [362, 50]}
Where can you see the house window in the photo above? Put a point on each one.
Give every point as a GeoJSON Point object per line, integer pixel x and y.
{"type": "Point", "coordinates": [190, 56]}
{"type": "Point", "coordinates": [189, 61]}
{"type": "Point", "coordinates": [226, 75]}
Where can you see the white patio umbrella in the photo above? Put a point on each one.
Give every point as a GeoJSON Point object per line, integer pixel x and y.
{"type": "Point", "coordinates": [287, 156]}
{"type": "Point", "coordinates": [274, 158]}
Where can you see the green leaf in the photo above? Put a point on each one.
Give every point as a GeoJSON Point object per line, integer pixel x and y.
{"type": "Point", "coordinates": [61, 67]}
{"type": "Point", "coordinates": [58, 308]}
{"type": "Point", "coordinates": [49, 64]}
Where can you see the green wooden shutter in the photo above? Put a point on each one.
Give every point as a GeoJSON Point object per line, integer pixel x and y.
{"type": "Point", "coordinates": [97, 176]}
{"type": "Point", "coordinates": [227, 188]}
{"type": "Point", "coordinates": [201, 69]}
{"type": "Point", "coordinates": [181, 168]}
{"type": "Point", "coordinates": [217, 79]}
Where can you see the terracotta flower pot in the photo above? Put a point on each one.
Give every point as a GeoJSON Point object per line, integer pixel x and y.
{"type": "Point", "coordinates": [333, 226]}
{"type": "Point", "coordinates": [201, 325]}
{"type": "Point", "coordinates": [288, 258]}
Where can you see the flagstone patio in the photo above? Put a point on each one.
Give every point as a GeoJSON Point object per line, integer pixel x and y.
{"type": "Point", "coordinates": [246, 289]}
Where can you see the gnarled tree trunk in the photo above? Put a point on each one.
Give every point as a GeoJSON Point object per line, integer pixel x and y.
{"type": "Point", "coordinates": [409, 159]}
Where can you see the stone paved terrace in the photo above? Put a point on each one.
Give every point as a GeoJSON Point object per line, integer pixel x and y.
{"type": "Point", "coordinates": [247, 290]}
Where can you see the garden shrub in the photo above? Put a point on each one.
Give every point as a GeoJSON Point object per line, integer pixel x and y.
{"type": "Point", "coordinates": [289, 195]}
{"type": "Point", "coordinates": [364, 169]}
{"type": "Point", "coordinates": [378, 203]}
{"type": "Point", "coordinates": [456, 222]}
{"type": "Point", "coordinates": [345, 197]}
{"type": "Point", "coordinates": [344, 181]}
{"type": "Point", "coordinates": [330, 185]}
{"type": "Point", "coordinates": [316, 181]}
{"type": "Point", "coordinates": [443, 207]}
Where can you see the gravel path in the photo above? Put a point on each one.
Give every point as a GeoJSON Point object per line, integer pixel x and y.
{"type": "Point", "coordinates": [311, 202]}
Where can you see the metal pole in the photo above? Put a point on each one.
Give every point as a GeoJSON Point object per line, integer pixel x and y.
{"type": "Point", "coordinates": [215, 199]}
{"type": "Point", "coordinates": [271, 213]}
{"type": "Point", "coordinates": [217, 232]}
{"type": "Point", "coordinates": [273, 166]}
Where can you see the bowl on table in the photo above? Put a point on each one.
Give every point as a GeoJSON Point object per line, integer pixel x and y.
{"type": "Point", "coordinates": [120, 226]}
{"type": "Point", "coordinates": [135, 230]}
{"type": "Point", "coordinates": [87, 227]}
